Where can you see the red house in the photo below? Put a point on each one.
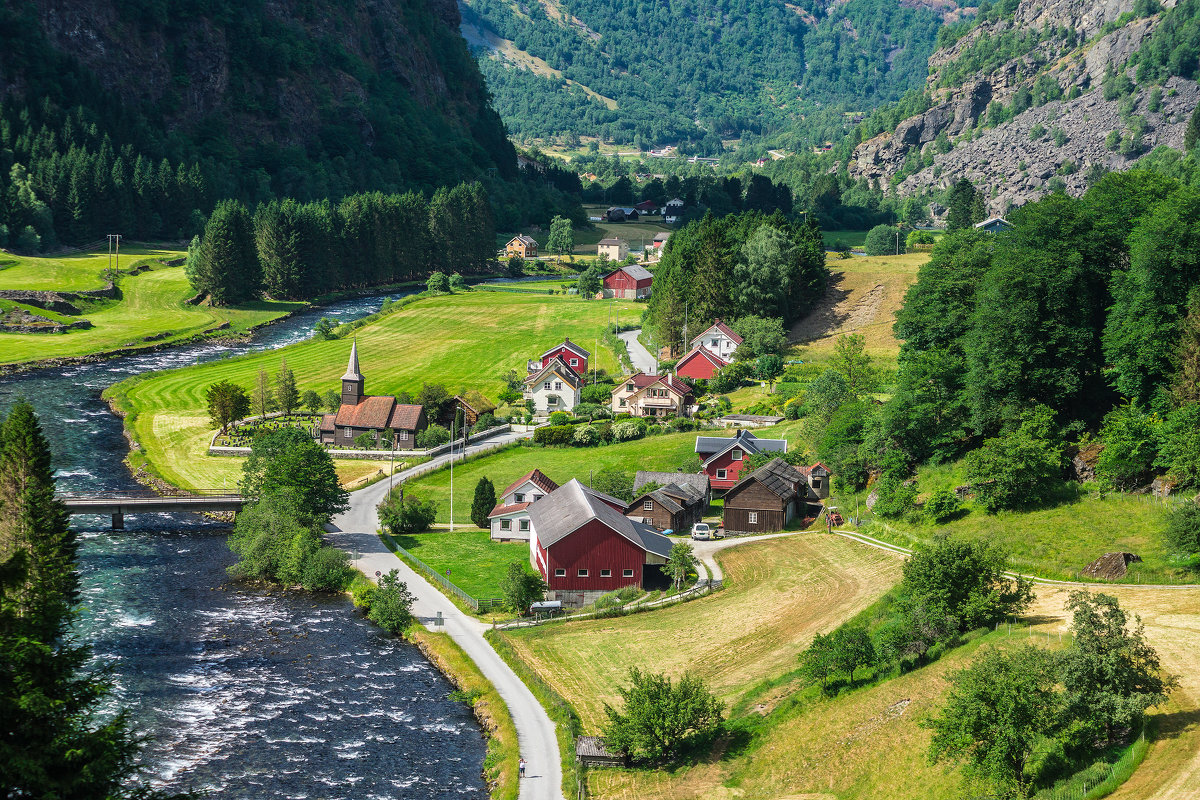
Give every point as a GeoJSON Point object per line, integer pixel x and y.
{"type": "Point", "coordinates": [571, 354]}
{"type": "Point", "coordinates": [629, 282]}
{"type": "Point", "coordinates": [699, 364]}
{"type": "Point", "coordinates": [584, 546]}
{"type": "Point", "coordinates": [722, 458]}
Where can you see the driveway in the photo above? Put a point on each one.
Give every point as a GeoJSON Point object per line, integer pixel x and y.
{"type": "Point", "coordinates": [355, 531]}
{"type": "Point", "coordinates": [707, 551]}
{"type": "Point", "coordinates": [642, 359]}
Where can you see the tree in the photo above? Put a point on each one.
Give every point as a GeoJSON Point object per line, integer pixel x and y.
{"type": "Point", "coordinates": [817, 660]}
{"type": "Point", "coordinates": [851, 360]}
{"type": "Point", "coordinates": [614, 481]}
{"type": "Point", "coordinates": [433, 436]}
{"type": "Point", "coordinates": [590, 281]}
{"type": "Point", "coordinates": [311, 401]}
{"type": "Point", "coordinates": [483, 502]}
{"type": "Point", "coordinates": [768, 368]}
{"type": "Point", "coordinates": [225, 264]}
{"type": "Point", "coordinates": [264, 394]}
{"type": "Point", "coordinates": [942, 506]}
{"type": "Point", "coordinates": [1131, 438]}
{"type": "Point", "coordinates": [288, 461]}
{"type": "Point", "coordinates": [1180, 450]}
{"type": "Point", "coordinates": [680, 561]}
{"type": "Point", "coordinates": [960, 212]}
{"type": "Point", "coordinates": [324, 329]}
{"type": "Point", "coordinates": [437, 282]}
{"type": "Point", "coordinates": [562, 237]}
{"type": "Point", "coordinates": [850, 648]}
{"type": "Point", "coordinates": [658, 718]}
{"type": "Point", "coordinates": [332, 400]}
{"type": "Point", "coordinates": [999, 711]}
{"type": "Point", "coordinates": [1185, 387]}
{"type": "Point", "coordinates": [1183, 529]}
{"type": "Point", "coordinates": [404, 514]}
{"type": "Point", "coordinates": [1019, 470]}
{"type": "Point", "coordinates": [763, 276]}
{"type": "Point", "coordinates": [885, 240]}
{"type": "Point", "coordinates": [521, 588]}
{"type": "Point", "coordinates": [433, 397]}
{"type": "Point", "coordinates": [515, 266]}
{"type": "Point", "coordinates": [1111, 676]}
{"type": "Point", "coordinates": [1192, 134]}
{"type": "Point", "coordinates": [760, 336]}
{"type": "Point", "coordinates": [391, 604]}
{"type": "Point", "coordinates": [964, 579]}
{"type": "Point", "coordinates": [227, 403]}
{"type": "Point", "coordinates": [286, 393]}
{"type": "Point", "coordinates": [457, 284]}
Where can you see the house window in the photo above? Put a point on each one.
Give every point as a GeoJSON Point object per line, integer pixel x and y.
{"type": "Point", "coordinates": [736, 455]}
{"type": "Point", "coordinates": [752, 517]}
{"type": "Point", "coordinates": [558, 385]}
{"type": "Point", "coordinates": [506, 524]}
{"type": "Point", "coordinates": [582, 573]}
{"type": "Point", "coordinates": [621, 403]}
{"type": "Point", "coordinates": [518, 498]}
{"type": "Point", "coordinates": [552, 400]}
{"type": "Point", "coordinates": [630, 388]}
{"type": "Point", "coordinates": [648, 505]}
{"type": "Point", "coordinates": [404, 436]}
{"type": "Point", "coordinates": [716, 342]}
{"type": "Point", "coordinates": [560, 573]}
{"type": "Point", "coordinates": [627, 573]}
{"type": "Point", "coordinates": [349, 434]}
{"type": "Point", "coordinates": [816, 482]}
{"type": "Point", "coordinates": [574, 362]}
{"type": "Point", "coordinates": [606, 573]}
{"type": "Point", "coordinates": [546, 385]}
{"type": "Point", "coordinates": [524, 525]}
{"type": "Point", "coordinates": [721, 474]}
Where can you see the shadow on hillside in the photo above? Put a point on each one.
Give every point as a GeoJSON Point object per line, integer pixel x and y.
{"type": "Point", "coordinates": [825, 317]}
{"type": "Point", "coordinates": [1174, 724]}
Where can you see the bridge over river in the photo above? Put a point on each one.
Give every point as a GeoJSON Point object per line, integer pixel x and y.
{"type": "Point", "coordinates": [118, 505]}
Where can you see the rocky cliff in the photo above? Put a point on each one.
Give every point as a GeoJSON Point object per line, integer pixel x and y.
{"type": "Point", "coordinates": [1012, 125]}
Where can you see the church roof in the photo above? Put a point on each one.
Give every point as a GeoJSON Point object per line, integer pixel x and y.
{"type": "Point", "coordinates": [352, 373]}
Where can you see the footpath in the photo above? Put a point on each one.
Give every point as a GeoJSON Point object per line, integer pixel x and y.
{"type": "Point", "coordinates": [355, 531]}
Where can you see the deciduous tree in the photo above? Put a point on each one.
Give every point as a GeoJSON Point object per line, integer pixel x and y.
{"type": "Point", "coordinates": [521, 588]}
{"type": "Point", "coordinates": [680, 561]}
{"type": "Point", "coordinates": [658, 718]}
{"type": "Point", "coordinates": [227, 403]}
{"type": "Point", "coordinates": [288, 461]}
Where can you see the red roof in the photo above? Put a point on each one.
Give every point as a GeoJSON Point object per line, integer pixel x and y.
{"type": "Point", "coordinates": [405, 417]}
{"type": "Point", "coordinates": [704, 353]}
{"type": "Point", "coordinates": [512, 508]}
{"type": "Point", "coordinates": [327, 422]}
{"type": "Point", "coordinates": [723, 328]}
{"type": "Point", "coordinates": [373, 411]}
{"type": "Point", "coordinates": [537, 477]}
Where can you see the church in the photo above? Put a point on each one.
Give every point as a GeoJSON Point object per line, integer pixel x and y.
{"type": "Point", "coordinates": [364, 413]}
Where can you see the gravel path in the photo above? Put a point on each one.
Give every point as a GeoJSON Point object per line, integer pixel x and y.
{"type": "Point", "coordinates": [638, 354]}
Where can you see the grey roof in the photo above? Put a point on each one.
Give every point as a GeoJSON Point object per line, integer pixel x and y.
{"type": "Point", "coordinates": [659, 496]}
{"type": "Point", "coordinates": [613, 241]}
{"type": "Point", "coordinates": [716, 445]}
{"type": "Point", "coordinates": [572, 505]}
{"type": "Point", "coordinates": [637, 272]}
{"type": "Point", "coordinates": [662, 236]}
{"type": "Point", "coordinates": [352, 373]}
{"type": "Point", "coordinates": [780, 477]}
{"type": "Point", "coordinates": [696, 482]}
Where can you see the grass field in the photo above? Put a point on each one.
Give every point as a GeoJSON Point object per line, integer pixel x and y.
{"type": "Point", "coordinates": [852, 238]}
{"type": "Point", "coordinates": [426, 341]}
{"type": "Point", "coordinates": [475, 562]}
{"type": "Point", "coordinates": [152, 304]}
{"type": "Point", "coordinates": [74, 272]}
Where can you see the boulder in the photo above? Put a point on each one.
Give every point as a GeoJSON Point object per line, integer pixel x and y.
{"type": "Point", "coordinates": [1110, 566]}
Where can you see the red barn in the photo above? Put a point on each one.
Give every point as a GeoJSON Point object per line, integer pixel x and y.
{"type": "Point", "coordinates": [584, 546]}
{"type": "Point", "coordinates": [700, 364]}
{"type": "Point", "coordinates": [722, 458]}
{"type": "Point", "coordinates": [629, 282]}
{"type": "Point", "coordinates": [571, 354]}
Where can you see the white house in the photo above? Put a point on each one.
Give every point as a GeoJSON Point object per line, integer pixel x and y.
{"type": "Point", "coordinates": [615, 249]}
{"type": "Point", "coordinates": [719, 340]}
{"type": "Point", "coordinates": [554, 387]}
{"type": "Point", "coordinates": [509, 520]}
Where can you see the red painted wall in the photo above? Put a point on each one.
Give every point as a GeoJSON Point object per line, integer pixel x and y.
{"type": "Point", "coordinates": [622, 281]}
{"type": "Point", "coordinates": [697, 368]}
{"type": "Point", "coordinates": [566, 355]}
{"type": "Point", "coordinates": [725, 462]}
{"type": "Point", "coordinates": [594, 547]}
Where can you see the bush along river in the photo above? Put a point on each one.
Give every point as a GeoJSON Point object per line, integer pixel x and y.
{"type": "Point", "coordinates": [245, 692]}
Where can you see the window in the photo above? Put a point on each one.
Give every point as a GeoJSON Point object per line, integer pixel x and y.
{"type": "Point", "coordinates": [627, 573]}
{"type": "Point", "coordinates": [736, 455]}
{"type": "Point", "coordinates": [752, 517]}
{"type": "Point", "coordinates": [349, 434]}
{"type": "Point", "coordinates": [524, 525]}
{"type": "Point", "coordinates": [518, 498]}
{"type": "Point", "coordinates": [546, 385]}
{"type": "Point", "coordinates": [552, 400]}
{"type": "Point", "coordinates": [558, 385]}
{"type": "Point", "coordinates": [622, 402]}
{"type": "Point", "coordinates": [404, 436]}
{"type": "Point", "coordinates": [716, 342]}
{"type": "Point", "coordinates": [816, 482]}
{"type": "Point", "coordinates": [630, 388]}
{"type": "Point", "coordinates": [534, 497]}
{"type": "Point", "coordinates": [574, 362]}
{"type": "Point", "coordinates": [606, 573]}
{"type": "Point", "coordinates": [648, 505]}
{"type": "Point", "coordinates": [583, 573]}
{"type": "Point", "coordinates": [560, 573]}
{"type": "Point", "coordinates": [721, 474]}
{"type": "Point", "coordinates": [506, 524]}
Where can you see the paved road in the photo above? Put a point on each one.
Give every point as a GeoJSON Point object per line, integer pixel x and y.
{"type": "Point", "coordinates": [356, 531]}
{"type": "Point", "coordinates": [706, 551]}
{"type": "Point", "coordinates": [638, 354]}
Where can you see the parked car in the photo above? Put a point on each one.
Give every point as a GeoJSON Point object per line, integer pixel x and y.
{"type": "Point", "coordinates": [701, 532]}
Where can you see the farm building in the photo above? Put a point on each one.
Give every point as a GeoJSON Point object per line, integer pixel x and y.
{"type": "Point", "coordinates": [700, 364]}
{"type": "Point", "coordinates": [361, 413]}
{"type": "Point", "coordinates": [571, 354]}
{"type": "Point", "coordinates": [554, 387]}
{"type": "Point", "coordinates": [631, 282]}
{"type": "Point", "coordinates": [722, 458]}
{"type": "Point", "coordinates": [697, 481]}
{"type": "Point", "coordinates": [994, 225]}
{"type": "Point", "coordinates": [615, 249]}
{"type": "Point", "coordinates": [509, 520]}
{"type": "Point", "coordinates": [617, 214]}
{"type": "Point", "coordinates": [521, 245]}
{"type": "Point", "coordinates": [584, 547]}
{"type": "Point", "coordinates": [473, 406]}
{"type": "Point", "coordinates": [643, 395]}
{"type": "Point", "coordinates": [766, 499]}
{"type": "Point", "coordinates": [719, 339]}
{"type": "Point", "coordinates": [671, 507]}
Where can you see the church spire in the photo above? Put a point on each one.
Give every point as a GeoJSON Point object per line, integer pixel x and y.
{"type": "Point", "coordinates": [352, 381]}
{"type": "Point", "coordinates": [352, 373]}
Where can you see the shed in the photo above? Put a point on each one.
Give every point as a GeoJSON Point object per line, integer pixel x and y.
{"type": "Point", "coordinates": [591, 752]}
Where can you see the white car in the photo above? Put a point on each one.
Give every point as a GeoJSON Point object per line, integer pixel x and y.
{"type": "Point", "coordinates": [701, 532]}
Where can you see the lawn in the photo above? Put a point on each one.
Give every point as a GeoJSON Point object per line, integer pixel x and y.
{"type": "Point", "coordinates": [465, 341]}
{"type": "Point", "coordinates": [151, 311]}
{"type": "Point", "coordinates": [852, 238]}
{"type": "Point", "coordinates": [75, 272]}
{"type": "Point", "coordinates": [475, 563]}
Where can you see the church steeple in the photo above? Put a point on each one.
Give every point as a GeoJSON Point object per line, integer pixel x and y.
{"type": "Point", "coordinates": [352, 381]}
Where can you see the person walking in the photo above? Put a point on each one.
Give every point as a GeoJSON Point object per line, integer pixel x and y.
{"type": "Point", "coordinates": [521, 768]}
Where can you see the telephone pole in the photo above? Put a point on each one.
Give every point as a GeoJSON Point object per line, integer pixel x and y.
{"type": "Point", "coordinates": [114, 239]}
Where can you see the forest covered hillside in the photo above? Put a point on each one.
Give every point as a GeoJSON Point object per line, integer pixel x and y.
{"type": "Point", "coordinates": [695, 72]}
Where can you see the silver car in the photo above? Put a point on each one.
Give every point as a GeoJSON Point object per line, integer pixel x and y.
{"type": "Point", "coordinates": [701, 532]}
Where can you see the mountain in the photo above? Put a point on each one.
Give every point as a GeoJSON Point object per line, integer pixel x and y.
{"type": "Point", "coordinates": [195, 100]}
{"type": "Point", "coordinates": [694, 72]}
{"type": "Point", "coordinates": [1043, 94]}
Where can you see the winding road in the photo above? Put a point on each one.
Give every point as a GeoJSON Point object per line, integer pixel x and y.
{"type": "Point", "coordinates": [642, 359]}
{"type": "Point", "coordinates": [355, 531]}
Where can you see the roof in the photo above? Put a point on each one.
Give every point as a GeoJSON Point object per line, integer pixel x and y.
{"type": "Point", "coordinates": [674, 201]}
{"type": "Point", "coordinates": [567, 343]}
{"type": "Point", "coordinates": [697, 482]}
{"type": "Point", "coordinates": [662, 498]}
{"type": "Point", "coordinates": [613, 241]}
{"type": "Point", "coordinates": [714, 446]}
{"type": "Point", "coordinates": [523, 239]}
{"type": "Point", "coordinates": [511, 508]}
{"type": "Point", "coordinates": [641, 380]}
{"type": "Point", "coordinates": [405, 417]}
{"type": "Point", "coordinates": [723, 328]}
{"type": "Point", "coordinates": [706, 354]}
{"type": "Point", "coordinates": [373, 411]}
{"type": "Point", "coordinates": [474, 400]}
{"type": "Point", "coordinates": [808, 471]}
{"type": "Point", "coordinates": [558, 367]}
{"type": "Point", "coordinates": [568, 508]}
{"type": "Point", "coordinates": [537, 478]}
{"type": "Point", "coordinates": [662, 236]}
{"type": "Point", "coordinates": [780, 477]}
{"type": "Point", "coordinates": [327, 421]}
{"type": "Point", "coordinates": [635, 271]}
{"type": "Point", "coordinates": [994, 221]}
{"type": "Point", "coordinates": [352, 373]}
{"type": "Point", "coordinates": [592, 746]}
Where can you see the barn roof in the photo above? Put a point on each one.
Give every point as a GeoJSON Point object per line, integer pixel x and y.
{"type": "Point", "coordinates": [697, 482]}
{"type": "Point", "coordinates": [571, 506]}
{"type": "Point", "coordinates": [637, 272]}
{"type": "Point", "coordinates": [658, 495]}
{"type": "Point", "coordinates": [567, 343]}
{"type": "Point", "coordinates": [702, 352]}
{"type": "Point", "coordinates": [373, 411]}
{"type": "Point", "coordinates": [537, 478]}
{"type": "Point", "coordinates": [780, 477]}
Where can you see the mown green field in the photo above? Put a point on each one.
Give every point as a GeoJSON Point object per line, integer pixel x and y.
{"type": "Point", "coordinates": [475, 563]}
{"type": "Point", "coordinates": [465, 341]}
{"type": "Point", "coordinates": [74, 272]}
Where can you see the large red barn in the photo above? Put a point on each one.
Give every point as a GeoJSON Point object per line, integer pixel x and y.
{"type": "Point", "coordinates": [584, 546]}
{"type": "Point", "coordinates": [629, 282]}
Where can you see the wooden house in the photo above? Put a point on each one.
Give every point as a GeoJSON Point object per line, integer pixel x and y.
{"type": "Point", "coordinates": [719, 339]}
{"type": "Point", "coordinates": [509, 520]}
{"type": "Point", "coordinates": [671, 507]}
{"type": "Point", "coordinates": [630, 283]}
{"type": "Point", "coordinates": [722, 458]}
{"type": "Point", "coordinates": [646, 207]}
{"type": "Point", "coordinates": [554, 387]}
{"type": "Point", "coordinates": [570, 353]}
{"type": "Point", "coordinates": [473, 405]}
{"type": "Point", "coordinates": [521, 245]}
{"type": "Point", "coordinates": [994, 225]}
{"type": "Point", "coordinates": [584, 546]}
{"type": "Point", "coordinates": [643, 395]}
{"type": "Point", "coordinates": [766, 499]}
{"type": "Point", "coordinates": [700, 363]}
{"type": "Point", "coordinates": [362, 413]}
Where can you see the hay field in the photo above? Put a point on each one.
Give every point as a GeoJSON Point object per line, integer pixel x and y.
{"type": "Point", "coordinates": [72, 272]}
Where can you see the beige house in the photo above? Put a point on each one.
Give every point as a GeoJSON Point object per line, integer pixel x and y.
{"type": "Point", "coordinates": [643, 395]}
{"type": "Point", "coordinates": [615, 249]}
{"type": "Point", "coordinates": [521, 245]}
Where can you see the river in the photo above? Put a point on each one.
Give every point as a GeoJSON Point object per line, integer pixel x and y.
{"type": "Point", "coordinates": [243, 692]}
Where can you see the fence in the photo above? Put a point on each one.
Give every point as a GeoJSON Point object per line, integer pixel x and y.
{"type": "Point", "coordinates": [489, 604]}
{"type": "Point", "coordinates": [1105, 782]}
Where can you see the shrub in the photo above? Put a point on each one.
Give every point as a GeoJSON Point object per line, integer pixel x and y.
{"type": "Point", "coordinates": [433, 436]}
{"type": "Point", "coordinates": [457, 284]}
{"type": "Point", "coordinates": [1183, 530]}
{"type": "Point", "coordinates": [521, 588]}
{"type": "Point", "coordinates": [682, 424]}
{"type": "Point", "coordinates": [896, 497]}
{"type": "Point", "coordinates": [884, 240]}
{"type": "Point", "coordinates": [942, 506]}
{"type": "Point", "coordinates": [438, 282]}
{"type": "Point", "coordinates": [627, 431]}
{"type": "Point", "coordinates": [364, 441]}
{"type": "Point", "coordinates": [327, 570]}
{"type": "Point", "coordinates": [560, 418]}
{"type": "Point", "coordinates": [585, 436]}
{"type": "Point", "coordinates": [598, 393]}
{"type": "Point", "coordinates": [485, 421]}
{"type": "Point", "coordinates": [391, 606]}
{"type": "Point", "coordinates": [403, 514]}
{"type": "Point", "coordinates": [554, 434]}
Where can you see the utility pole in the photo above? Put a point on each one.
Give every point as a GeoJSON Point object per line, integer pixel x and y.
{"type": "Point", "coordinates": [114, 238]}
{"type": "Point", "coordinates": [453, 430]}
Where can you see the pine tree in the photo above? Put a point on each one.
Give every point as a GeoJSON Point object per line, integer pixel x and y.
{"type": "Point", "coordinates": [286, 393]}
{"type": "Point", "coordinates": [226, 263]}
{"type": "Point", "coordinates": [961, 207]}
{"type": "Point", "coordinates": [263, 397]}
{"type": "Point", "coordinates": [483, 503]}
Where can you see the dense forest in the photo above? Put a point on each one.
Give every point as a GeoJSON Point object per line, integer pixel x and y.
{"type": "Point", "coordinates": [250, 101]}
{"type": "Point", "coordinates": [696, 72]}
